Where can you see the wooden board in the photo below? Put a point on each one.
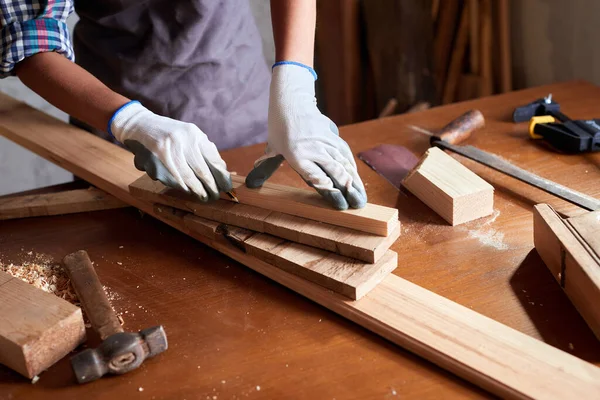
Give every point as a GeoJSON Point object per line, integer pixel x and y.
{"type": "Point", "coordinates": [68, 202]}
{"type": "Point", "coordinates": [308, 204]}
{"type": "Point", "coordinates": [588, 227]}
{"type": "Point", "coordinates": [343, 275]}
{"type": "Point", "coordinates": [479, 349]}
{"type": "Point", "coordinates": [575, 268]}
{"type": "Point", "coordinates": [458, 56]}
{"type": "Point", "coordinates": [452, 190]}
{"type": "Point", "coordinates": [344, 241]}
{"type": "Point", "coordinates": [36, 328]}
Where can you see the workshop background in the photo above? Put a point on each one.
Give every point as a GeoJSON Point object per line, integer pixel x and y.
{"type": "Point", "coordinates": [557, 44]}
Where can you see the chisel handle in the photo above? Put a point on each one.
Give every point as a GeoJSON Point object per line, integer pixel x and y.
{"type": "Point", "coordinates": [461, 128]}
{"type": "Point", "coordinates": [91, 294]}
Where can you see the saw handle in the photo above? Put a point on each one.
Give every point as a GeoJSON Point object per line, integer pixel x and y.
{"type": "Point", "coordinates": [91, 294]}
{"type": "Point", "coordinates": [461, 128]}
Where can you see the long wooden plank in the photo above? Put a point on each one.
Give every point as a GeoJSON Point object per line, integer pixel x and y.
{"type": "Point", "coordinates": [496, 357]}
{"type": "Point", "coordinates": [36, 328]}
{"type": "Point", "coordinates": [349, 277]}
{"type": "Point", "coordinates": [571, 263]}
{"type": "Point", "coordinates": [308, 204]}
{"type": "Point", "coordinates": [67, 202]}
{"type": "Point", "coordinates": [344, 241]}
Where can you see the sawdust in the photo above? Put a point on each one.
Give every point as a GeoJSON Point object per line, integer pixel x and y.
{"type": "Point", "coordinates": [489, 237]}
{"type": "Point", "coordinates": [41, 271]}
{"type": "Point", "coordinates": [486, 235]}
{"type": "Point", "coordinates": [44, 273]}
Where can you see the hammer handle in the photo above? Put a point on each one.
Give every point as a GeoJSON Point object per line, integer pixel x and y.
{"type": "Point", "coordinates": [462, 127]}
{"type": "Point", "coordinates": [91, 294]}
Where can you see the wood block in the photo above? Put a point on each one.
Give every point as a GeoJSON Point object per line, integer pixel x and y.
{"type": "Point", "coordinates": [349, 277]}
{"type": "Point", "coordinates": [571, 259]}
{"type": "Point", "coordinates": [452, 190]}
{"type": "Point", "coordinates": [36, 328]}
{"type": "Point", "coordinates": [68, 202]}
{"type": "Point", "coordinates": [344, 241]}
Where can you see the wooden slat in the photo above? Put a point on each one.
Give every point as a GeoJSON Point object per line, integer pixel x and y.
{"type": "Point", "coordinates": [573, 266]}
{"type": "Point", "coordinates": [504, 45]}
{"type": "Point", "coordinates": [36, 328]}
{"type": "Point", "coordinates": [444, 37]}
{"type": "Point", "coordinates": [67, 202]}
{"type": "Point", "coordinates": [343, 275]}
{"type": "Point", "coordinates": [486, 42]}
{"type": "Point", "coordinates": [400, 65]}
{"type": "Point", "coordinates": [449, 188]}
{"type": "Point", "coordinates": [479, 349]}
{"type": "Point", "coordinates": [344, 241]}
{"type": "Point", "coordinates": [372, 218]}
{"type": "Point", "coordinates": [458, 56]}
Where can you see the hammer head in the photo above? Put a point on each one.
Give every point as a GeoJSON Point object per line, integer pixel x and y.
{"type": "Point", "coordinates": [543, 106]}
{"type": "Point", "coordinates": [119, 353]}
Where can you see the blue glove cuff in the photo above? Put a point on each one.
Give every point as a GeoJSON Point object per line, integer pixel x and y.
{"type": "Point", "coordinates": [110, 121]}
{"type": "Point", "coordinates": [312, 71]}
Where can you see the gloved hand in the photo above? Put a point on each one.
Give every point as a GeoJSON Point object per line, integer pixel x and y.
{"type": "Point", "coordinates": [307, 139]}
{"type": "Point", "coordinates": [176, 153]}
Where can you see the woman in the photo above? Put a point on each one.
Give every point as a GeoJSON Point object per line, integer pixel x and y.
{"type": "Point", "coordinates": [175, 80]}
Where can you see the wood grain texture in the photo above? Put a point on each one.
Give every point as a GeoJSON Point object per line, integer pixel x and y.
{"type": "Point", "coordinates": [338, 59]}
{"type": "Point", "coordinates": [399, 65]}
{"type": "Point", "coordinates": [474, 36]}
{"type": "Point", "coordinates": [486, 278]}
{"type": "Point", "coordinates": [486, 43]}
{"type": "Point", "coordinates": [372, 218]}
{"type": "Point", "coordinates": [36, 328]}
{"type": "Point", "coordinates": [458, 56]}
{"type": "Point", "coordinates": [68, 202]}
{"type": "Point", "coordinates": [449, 188]}
{"type": "Point", "coordinates": [344, 241]}
{"type": "Point", "coordinates": [571, 263]}
{"type": "Point", "coordinates": [444, 37]}
{"type": "Point", "coordinates": [504, 45]}
{"type": "Point", "coordinates": [588, 227]}
{"type": "Point", "coordinates": [349, 277]}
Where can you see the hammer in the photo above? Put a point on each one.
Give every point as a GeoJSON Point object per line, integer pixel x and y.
{"type": "Point", "coordinates": [120, 351]}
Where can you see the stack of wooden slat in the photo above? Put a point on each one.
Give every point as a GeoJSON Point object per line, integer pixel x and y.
{"type": "Point", "coordinates": [471, 48]}
{"type": "Point", "coordinates": [293, 229]}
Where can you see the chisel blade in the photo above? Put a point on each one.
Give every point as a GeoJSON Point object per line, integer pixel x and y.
{"type": "Point", "coordinates": [500, 165]}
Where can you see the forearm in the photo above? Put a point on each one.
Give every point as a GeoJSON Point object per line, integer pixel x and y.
{"type": "Point", "coordinates": [70, 88]}
{"type": "Point", "coordinates": [294, 30]}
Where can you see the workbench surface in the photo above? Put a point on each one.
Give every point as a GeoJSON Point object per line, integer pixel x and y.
{"type": "Point", "coordinates": [235, 334]}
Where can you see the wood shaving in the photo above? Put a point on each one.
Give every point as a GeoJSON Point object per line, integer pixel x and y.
{"type": "Point", "coordinates": [48, 275]}
{"type": "Point", "coordinates": [45, 274]}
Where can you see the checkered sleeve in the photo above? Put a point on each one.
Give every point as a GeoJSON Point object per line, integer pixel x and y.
{"type": "Point", "coordinates": [32, 26]}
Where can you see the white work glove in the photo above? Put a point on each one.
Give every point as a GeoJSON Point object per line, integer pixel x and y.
{"type": "Point", "coordinates": [176, 153]}
{"type": "Point", "coordinates": [307, 139]}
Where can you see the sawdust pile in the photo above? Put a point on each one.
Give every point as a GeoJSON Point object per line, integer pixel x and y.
{"type": "Point", "coordinates": [45, 274]}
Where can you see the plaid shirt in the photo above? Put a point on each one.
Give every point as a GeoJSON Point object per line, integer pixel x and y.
{"type": "Point", "coordinates": [32, 26]}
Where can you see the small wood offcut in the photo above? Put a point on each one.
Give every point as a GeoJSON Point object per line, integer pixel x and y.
{"type": "Point", "coordinates": [449, 188]}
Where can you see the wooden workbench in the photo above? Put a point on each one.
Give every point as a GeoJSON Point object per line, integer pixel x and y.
{"type": "Point", "coordinates": [236, 334]}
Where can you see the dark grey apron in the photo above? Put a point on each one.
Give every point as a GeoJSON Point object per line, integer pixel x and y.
{"type": "Point", "coordinates": [197, 61]}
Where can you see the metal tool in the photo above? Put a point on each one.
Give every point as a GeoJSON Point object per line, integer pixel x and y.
{"type": "Point", "coordinates": [232, 196]}
{"type": "Point", "coordinates": [567, 135]}
{"type": "Point", "coordinates": [497, 163]}
{"type": "Point", "coordinates": [120, 351]}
